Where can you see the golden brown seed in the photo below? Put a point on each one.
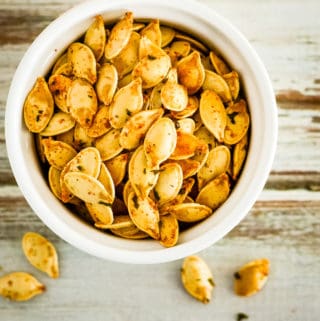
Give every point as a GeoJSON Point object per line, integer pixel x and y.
{"type": "Point", "coordinates": [41, 253]}
{"type": "Point", "coordinates": [119, 36]}
{"type": "Point", "coordinates": [83, 62]}
{"type": "Point", "coordinates": [95, 37]}
{"type": "Point", "coordinates": [38, 107]}
{"type": "Point", "coordinates": [251, 278]}
{"type": "Point", "coordinates": [20, 286]}
{"type": "Point", "coordinates": [197, 278]}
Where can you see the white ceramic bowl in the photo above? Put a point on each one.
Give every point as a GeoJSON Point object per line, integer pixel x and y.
{"type": "Point", "coordinates": [213, 30]}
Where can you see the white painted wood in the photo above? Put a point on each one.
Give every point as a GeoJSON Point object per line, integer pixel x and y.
{"type": "Point", "coordinates": [284, 224]}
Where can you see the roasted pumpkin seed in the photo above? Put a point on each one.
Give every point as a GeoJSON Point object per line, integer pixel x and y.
{"type": "Point", "coordinates": [237, 122]}
{"type": "Point", "coordinates": [41, 253]}
{"type": "Point", "coordinates": [59, 86]}
{"type": "Point", "coordinates": [20, 286]}
{"type": "Point", "coordinates": [117, 167]}
{"type": "Point", "coordinates": [83, 62]}
{"type": "Point", "coordinates": [57, 153]}
{"type": "Point", "coordinates": [251, 277]}
{"type": "Point", "coordinates": [169, 182]}
{"type": "Point", "coordinates": [87, 188]}
{"type": "Point", "coordinates": [144, 214]}
{"type": "Point", "coordinates": [95, 37]}
{"type": "Point", "coordinates": [109, 144]}
{"type": "Point", "coordinates": [213, 114]}
{"type": "Point", "coordinates": [152, 32]}
{"type": "Point", "coordinates": [125, 61]}
{"type": "Point", "coordinates": [119, 36]}
{"type": "Point", "coordinates": [191, 72]}
{"type": "Point", "coordinates": [173, 95]}
{"type": "Point", "coordinates": [38, 107]}
{"type": "Point", "coordinates": [106, 83]}
{"type": "Point", "coordinates": [59, 123]}
{"type": "Point", "coordinates": [142, 177]}
{"type": "Point", "coordinates": [215, 192]}
{"type": "Point", "coordinates": [190, 212]}
{"type": "Point", "coordinates": [218, 162]}
{"type": "Point", "coordinates": [82, 102]}
{"type": "Point", "coordinates": [169, 230]}
{"type": "Point", "coordinates": [197, 278]}
{"type": "Point", "coordinates": [120, 110]}
{"type": "Point", "coordinates": [137, 126]}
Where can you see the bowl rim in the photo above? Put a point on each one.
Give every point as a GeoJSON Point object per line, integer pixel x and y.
{"type": "Point", "coordinates": [89, 242]}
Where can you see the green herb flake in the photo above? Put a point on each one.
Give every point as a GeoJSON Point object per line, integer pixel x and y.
{"type": "Point", "coordinates": [241, 316]}
{"type": "Point", "coordinates": [129, 113]}
{"type": "Point", "coordinates": [144, 171]}
{"type": "Point", "coordinates": [37, 118]}
{"type": "Point", "coordinates": [105, 203]}
{"type": "Point", "coordinates": [150, 57]}
{"type": "Point", "coordinates": [80, 168]}
{"type": "Point", "coordinates": [237, 275]}
{"type": "Point", "coordinates": [232, 117]}
{"type": "Point", "coordinates": [210, 280]}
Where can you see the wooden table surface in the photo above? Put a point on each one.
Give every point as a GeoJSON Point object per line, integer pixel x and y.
{"type": "Point", "coordinates": [284, 224]}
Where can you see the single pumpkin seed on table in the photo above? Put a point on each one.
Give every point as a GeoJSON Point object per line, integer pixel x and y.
{"type": "Point", "coordinates": [197, 278]}
{"type": "Point", "coordinates": [251, 277]}
{"type": "Point", "coordinates": [41, 253]}
{"type": "Point", "coordinates": [20, 286]}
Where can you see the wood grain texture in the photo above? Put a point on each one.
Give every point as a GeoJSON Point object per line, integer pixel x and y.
{"type": "Point", "coordinates": [284, 224]}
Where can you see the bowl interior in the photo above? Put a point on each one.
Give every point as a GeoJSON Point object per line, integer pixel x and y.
{"type": "Point", "coordinates": [216, 33]}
